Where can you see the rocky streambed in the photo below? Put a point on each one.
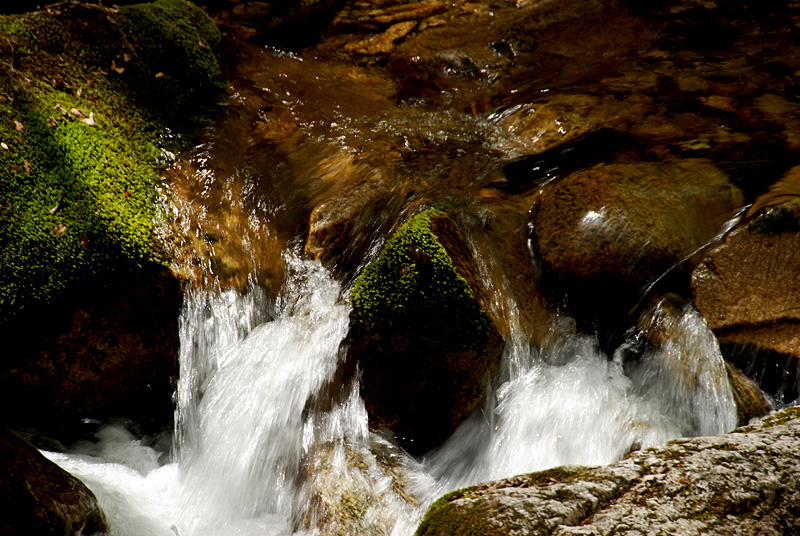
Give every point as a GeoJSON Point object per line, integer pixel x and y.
{"type": "Point", "coordinates": [469, 171]}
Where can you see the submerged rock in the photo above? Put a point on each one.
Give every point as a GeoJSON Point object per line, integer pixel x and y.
{"type": "Point", "coordinates": [39, 497]}
{"type": "Point", "coordinates": [424, 344]}
{"type": "Point", "coordinates": [748, 290]}
{"type": "Point", "coordinates": [744, 482]}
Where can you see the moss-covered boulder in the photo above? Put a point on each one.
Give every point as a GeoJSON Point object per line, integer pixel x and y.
{"type": "Point", "coordinates": [41, 498]}
{"type": "Point", "coordinates": [744, 482]}
{"type": "Point", "coordinates": [424, 345]}
{"type": "Point", "coordinates": [93, 100]}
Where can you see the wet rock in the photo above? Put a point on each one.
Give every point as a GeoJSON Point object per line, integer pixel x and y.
{"type": "Point", "coordinates": [608, 233]}
{"type": "Point", "coordinates": [748, 289]}
{"type": "Point", "coordinates": [98, 353]}
{"type": "Point", "coordinates": [39, 497]}
{"type": "Point", "coordinates": [423, 341]}
{"type": "Point", "coordinates": [745, 482]}
{"type": "Point", "coordinates": [750, 401]}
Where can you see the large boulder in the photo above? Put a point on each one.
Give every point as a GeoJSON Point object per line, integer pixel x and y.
{"type": "Point", "coordinates": [97, 353]}
{"type": "Point", "coordinates": [39, 497]}
{"type": "Point", "coordinates": [425, 344]}
{"type": "Point", "coordinates": [748, 290]}
{"type": "Point", "coordinates": [608, 233]}
{"type": "Point", "coordinates": [745, 482]}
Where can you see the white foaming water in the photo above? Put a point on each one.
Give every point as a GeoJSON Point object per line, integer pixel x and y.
{"type": "Point", "coordinates": [567, 403]}
{"type": "Point", "coordinates": [261, 451]}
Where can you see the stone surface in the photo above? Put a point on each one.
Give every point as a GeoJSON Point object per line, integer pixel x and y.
{"type": "Point", "coordinates": [607, 233]}
{"type": "Point", "coordinates": [749, 291]}
{"type": "Point", "coordinates": [101, 353]}
{"type": "Point", "coordinates": [745, 482]}
{"type": "Point", "coordinates": [38, 497]}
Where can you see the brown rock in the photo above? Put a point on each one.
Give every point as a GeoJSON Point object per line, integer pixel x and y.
{"type": "Point", "coordinates": [607, 233]}
{"type": "Point", "coordinates": [750, 401]}
{"type": "Point", "coordinates": [749, 291]}
{"type": "Point", "coordinates": [38, 497]}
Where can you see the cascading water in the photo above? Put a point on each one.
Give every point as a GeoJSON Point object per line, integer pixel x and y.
{"type": "Point", "coordinates": [257, 455]}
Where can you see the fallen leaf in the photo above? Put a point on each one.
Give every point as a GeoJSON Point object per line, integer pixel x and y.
{"type": "Point", "coordinates": [60, 109]}
{"type": "Point", "coordinates": [84, 242]}
{"type": "Point", "coordinates": [14, 169]}
{"type": "Point", "coordinates": [101, 71]}
{"type": "Point", "coordinates": [4, 146]}
{"type": "Point", "coordinates": [159, 74]}
{"type": "Point", "coordinates": [126, 57]}
{"type": "Point", "coordinates": [78, 114]}
{"type": "Point", "coordinates": [118, 70]}
{"type": "Point", "coordinates": [19, 126]}
{"type": "Point", "coordinates": [79, 92]}
{"type": "Point", "coordinates": [51, 121]}
{"type": "Point", "coordinates": [89, 120]}
{"type": "Point", "coordinates": [127, 194]}
{"type": "Point", "coordinates": [201, 44]}
{"type": "Point", "coordinates": [3, 99]}
{"type": "Point", "coordinates": [59, 229]}
{"type": "Point", "coordinates": [58, 204]}
{"type": "Point", "coordinates": [27, 166]}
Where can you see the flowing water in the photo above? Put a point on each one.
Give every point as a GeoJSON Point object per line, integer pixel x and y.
{"type": "Point", "coordinates": [270, 440]}
{"type": "Point", "coordinates": [256, 455]}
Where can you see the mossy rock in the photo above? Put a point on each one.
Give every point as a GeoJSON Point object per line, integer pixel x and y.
{"type": "Point", "coordinates": [425, 345]}
{"type": "Point", "coordinates": [89, 99]}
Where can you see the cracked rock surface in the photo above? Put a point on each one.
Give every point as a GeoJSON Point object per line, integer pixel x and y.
{"type": "Point", "coordinates": [745, 482]}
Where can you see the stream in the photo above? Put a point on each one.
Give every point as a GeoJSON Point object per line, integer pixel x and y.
{"type": "Point", "coordinates": [269, 440]}
{"type": "Point", "coordinates": [253, 456]}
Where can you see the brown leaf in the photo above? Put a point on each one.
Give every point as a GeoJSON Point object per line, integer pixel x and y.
{"type": "Point", "coordinates": [78, 114]}
{"type": "Point", "coordinates": [4, 146]}
{"type": "Point", "coordinates": [84, 242]}
{"type": "Point", "coordinates": [60, 109]}
{"type": "Point", "coordinates": [159, 74]}
{"type": "Point", "coordinates": [89, 120]}
{"type": "Point", "coordinates": [59, 229]}
{"type": "Point", "coordinates": [127, 194]}
{"type": "Point", "coordinates": [201, 44]}
{"type": "Point", "coordinates": [27, 166]}
{"type": "Point", "coordinates": [17, 125]}
{"type": "Point", "coordinates": [14, 169]}
{"type": "Point", "coordinates": [126, 57]}
{"type": "Point", "coordinates": [58, 204]}
{"type": "Point", "coordinates": [79, 92]}
{"type": "Point", "coordinates": [118, 70]}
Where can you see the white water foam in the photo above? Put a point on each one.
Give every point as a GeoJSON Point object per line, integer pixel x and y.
{"type": "Point", "coordinates": [257, 454]}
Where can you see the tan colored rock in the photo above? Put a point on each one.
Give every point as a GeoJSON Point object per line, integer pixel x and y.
{"type": "Point", "coordinates": [744, 482]}
{"type": "Point", "coordinates": [750, 401]}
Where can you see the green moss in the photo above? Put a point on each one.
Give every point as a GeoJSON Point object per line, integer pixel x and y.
{"type": "Point", "coordinates": [781, 417]}
{"type": "Point", "coordinates": [79, 201]}
{"type": "Point", "coordinates": [424, 296]}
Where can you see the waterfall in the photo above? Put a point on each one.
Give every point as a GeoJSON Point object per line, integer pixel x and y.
{"type": "Point", "coordinates": [269, 443]}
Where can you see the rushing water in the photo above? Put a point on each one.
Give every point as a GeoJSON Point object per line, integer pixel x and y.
{"type": "Point", "coordinates": [259, 452]}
